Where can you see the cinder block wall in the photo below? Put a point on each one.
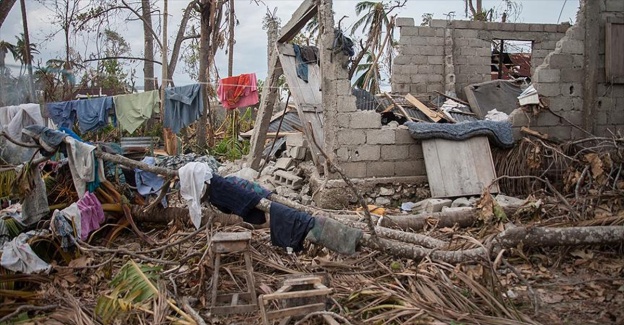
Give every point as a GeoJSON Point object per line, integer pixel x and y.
{"type": "Point", "coordinates": [365, 148]}
{"type": "Point", "coordinates": [423, 53]}
{"type": "Point", "coordinates": [572, 79]}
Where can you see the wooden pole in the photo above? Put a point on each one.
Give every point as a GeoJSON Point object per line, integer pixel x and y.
{"type": "Point", "coordinates": [27, 54]}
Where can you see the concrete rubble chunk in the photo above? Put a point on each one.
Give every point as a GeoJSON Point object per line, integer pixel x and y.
{"type": "Point", "coordinates": [381, 201]}
{"type": "Point", "coordinates": [298, 153]}
{"type": "Point", "coordinates": [386, 191]}
{"type": "Point", "coordinates": [504, 200]}
{"type": "Point", "coordinates": [296, 140]}
{"type": "Point", "coordinates": [285, 178]}
{"type": "Point", "coordinates": [435, 205]}
{"type": "Point", "coordinates": [461, 202]}
{"type": "Point", "coordinates": [283, 163]}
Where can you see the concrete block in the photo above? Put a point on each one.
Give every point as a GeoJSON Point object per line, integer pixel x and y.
{"type": "Point", "coordinates": [547, 75]}
{"type": "Point", "coordinates": [572, 89]}
{"type": "Point", "coordinates": [343, 154]}
{"type": "Point", "coordinates": [285, 178]}
{"type": "Point", "coordinates": [550, 28]}
{"type": "Point", "coordinates": [614, 5]}
{"type": "Point", "coordinates": [536, 27]}
{"type": "Point", "coordinates": [476, 24]}
{"type": "Point", "coordinates": [298, 152]}
{"type": "Point", "coordinates": [547, 119]}
{"type": "Point", "coordinates": [354, 169]}
{"type": "Point", "coordinates": [416, 152]}
{"type": "Point", "coordinates": [351, 137]}
{"type": "Point", "coordinates": [519, 118]}
{"type": "Point", "coordinates": [435, 41]}
{"type": "Point", "coordinates": [365, 120]}
{"type": "Point", "coordinates": [465, 33]}
{"type": "Point", "coordinates": [283, 163]}
{"type": "Point", "coordinates": [410, 168]}
{"type": "Point", "coordinates": [394, 152]}
{"type": "Point", "coordinates": [345, 104]}
{"type": "Point", "coordinates": [418, 60]}
{"type": "Point", "coordinates": [343, 120]}
{"type": "Point", "coordinates": [572, 46]}
{"type": "Point", "coordinates": [366, 153]}
{"type": "Point", "coordinates": [560, 61]}
{"type": "Point", "coordinates": [563, 27]}
{"type": "Point", "coordinates": [404, 22]}
{"type": "Point", "coordinates": [427, 31]}
{"type": "Point", "coordinates": [402, 136]}
{"type": "Point", "coordinates": [435, 60]}
{"type": "Point", "coordinates": [380, 169]}
{"type": "Point", "coordinates": [522, 27]}
{"type": "Point", "coordinates": [460, 24]}
{"type": "Point", "coordinates": [548, 89]}
{"type": "Point", "coordinates": [494, 26]}
{"type": "Point", "coordinates": [572, 75]}
{"type": "Point", "coordinates": [380, 136]}
{"type": "Point", "coordinates": [574, 117]}
{"type": "Point", "coordinates": [431, 88]}
{"type": "Point", "coordinates": [409, 31]}
{"type": "Point", "coordinates": [294, 140]}
{"type": "Point", "coordinates": [608, 103]}
{"type": "Point", "coordinates": [434, 78]}
{"type": "Point", "coordinates": [438, 23]}
{"type": "Point", "coordinates": [401, 60]}
{"type": "Point", "coordinates": [435, 205]}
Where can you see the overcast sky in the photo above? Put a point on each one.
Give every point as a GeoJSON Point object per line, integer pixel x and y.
{"type": "Point", "coordinates": [251, 41]}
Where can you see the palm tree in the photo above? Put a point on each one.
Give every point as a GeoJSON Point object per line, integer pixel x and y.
{"type": "Point", "coordinates": [6, 47]}
{"type": "Point", "coordinates": [378, 27]}
{"type": "Point", "coordinates": [22, 50]}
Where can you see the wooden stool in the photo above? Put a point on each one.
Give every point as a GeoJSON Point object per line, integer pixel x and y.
{"type": "Point", "coordinates": [285, 292]}
{"type": "Point", "coordinates": [233, 242]}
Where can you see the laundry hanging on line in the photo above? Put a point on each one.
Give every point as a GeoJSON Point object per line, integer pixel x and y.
{"type": "Point", "coordinates": [238, 91]}
{"type": "Point", "coordinates": [183, 106]}
{"type": "Point", "coordinates": [92, 114]}
{"type": "Point", "coordinates": [134, 109]}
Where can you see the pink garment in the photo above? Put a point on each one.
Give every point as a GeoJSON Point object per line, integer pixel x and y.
{"type": "Point", "coordinates": [230, 86]}
{"type": "Point", "coordinates": [91, 214]}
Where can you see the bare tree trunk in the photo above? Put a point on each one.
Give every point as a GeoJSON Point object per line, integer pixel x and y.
{"type": "Point", "coordinates": [231, 19]}
{"type": "Point", "coordinates": [148, 46]}
{"type": "Point", "coordinates": [204, 66]}
{"type": "Point", "coordinates": [175, 51]}
{"type": "Point", "coordinates": [27, 54]}
{"type": "Point", "coordinates": [5, 8]}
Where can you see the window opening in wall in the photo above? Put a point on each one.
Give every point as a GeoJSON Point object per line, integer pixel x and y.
{"type": "Point", "coordinates": [511, 59]}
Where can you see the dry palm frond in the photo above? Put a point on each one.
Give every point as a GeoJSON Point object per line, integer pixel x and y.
{"type": "Point", "coordinates": [133, 290]}
{"type": "Point", "coordinates": [435, 292]}
{"type": "Point", "coordinates": [7, 177]}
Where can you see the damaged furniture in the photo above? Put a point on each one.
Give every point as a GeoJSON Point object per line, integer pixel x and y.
{"type": "Point", "coordinates": [232, 242]}
{"type": "Point", "coordinates": [310, 293]}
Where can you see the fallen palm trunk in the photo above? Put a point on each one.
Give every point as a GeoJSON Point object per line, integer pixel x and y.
{"type": "Point", "coordinates": [507, 239]}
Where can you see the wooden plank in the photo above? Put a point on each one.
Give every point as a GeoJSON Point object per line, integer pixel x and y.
{"type": "Point", "coordinates": [330, 320]}
{"type": "Point", "coordinates": [306, 95]}
{"type": "Point", "coordinates": [458, 168]}
{"type": "Point", "coordinates": [434, 116]}
{"type": "Point", "coordinates": [303, 281]}
{"type": "Point", "coordinates": [295, 311]}
{"type": "Point", "coordinates": [299, 19]}
{"type": "Point", "coordinates": [263, 118]}
{"type": "Point", "coordinates": [240, 309]}
{"type": "Point", "coordinates": [401, 108]}
{"type": "Point", "coordinates": [614, 52]}
{"type": "Point", "coordinates": [297, 294]}
{"type": "Point", "coordinates": [231, 236]}
{"type": "Point", "coordinates": [433, 167]}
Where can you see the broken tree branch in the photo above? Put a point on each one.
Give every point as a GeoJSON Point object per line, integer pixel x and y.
{"type": "Point", "coordinates": [335, 167]}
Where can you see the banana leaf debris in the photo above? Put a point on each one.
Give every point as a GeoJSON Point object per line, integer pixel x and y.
{"type": "Point", "coordinates": [128, 251]}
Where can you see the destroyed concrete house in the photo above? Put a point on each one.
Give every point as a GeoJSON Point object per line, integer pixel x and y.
{"type": "Point", "coordinates": [580, 89]}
